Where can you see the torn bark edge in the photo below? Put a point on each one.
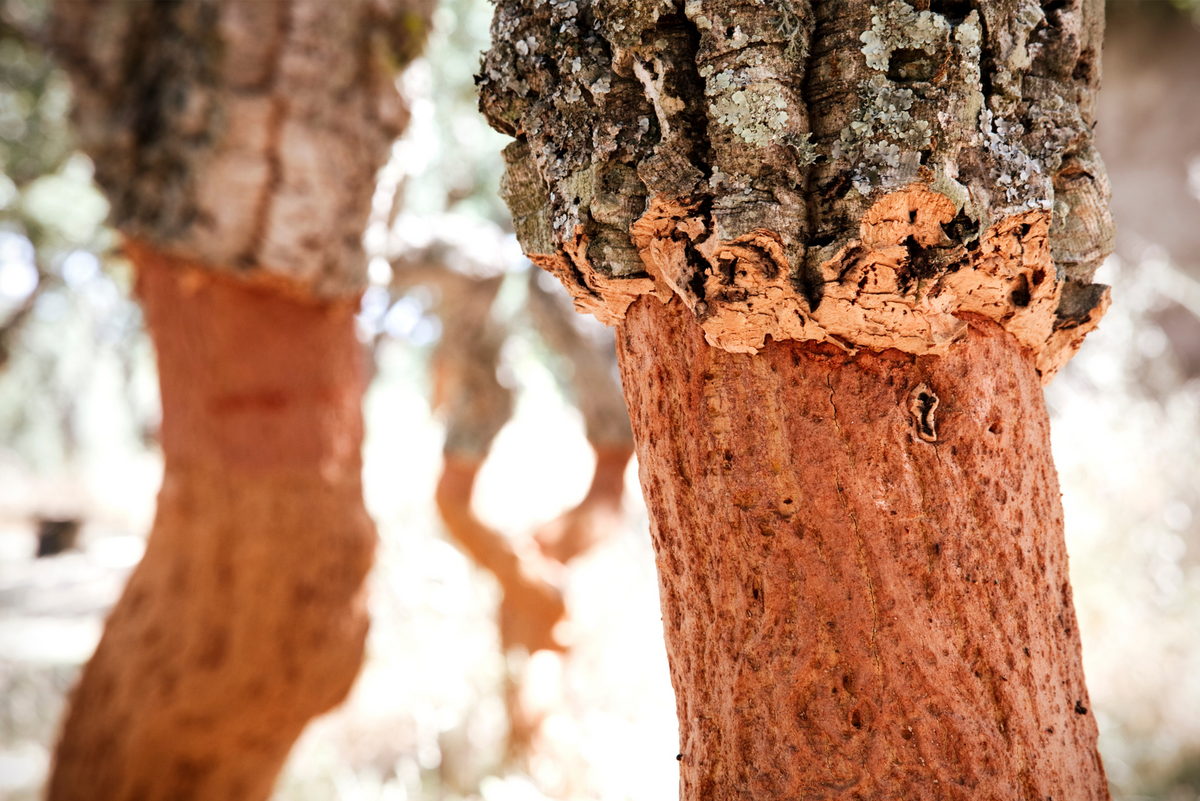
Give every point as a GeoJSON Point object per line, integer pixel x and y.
{"type": "Point", "coordinates": [195, 273]}
{"type": "Point", "coordinates": [901, 284]}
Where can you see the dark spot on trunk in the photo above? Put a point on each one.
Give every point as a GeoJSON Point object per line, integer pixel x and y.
{"type": "Point", "coordinates": [963, 230]}
{"type": "Point", "coordinates": [909, 66]}
{"type": "Point", "coordinates": [1020, 293]}
{"type": "Point", "coordinates": [921, 262]}
{"type": "Point", "coordinates": [955, 11]}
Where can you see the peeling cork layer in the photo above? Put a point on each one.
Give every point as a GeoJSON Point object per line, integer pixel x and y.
{"type": "Point", "coordinates": [903, 283]}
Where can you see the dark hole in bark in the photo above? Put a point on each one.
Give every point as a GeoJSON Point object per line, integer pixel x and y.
{"type": "Point", "coordinates": [923, 403]}
{"type": "Point", "coordinates": [955, 11]}
{"type": "Point", "coordinates": [937, 551]}
{"type": "Point", "coordinates": [696, 281]}
{"type": "Point", "coordinates": [921, 263]}
{"type": "Point", "coordinates": [962, 230]}
{"type": "Point", "coordinates": [995, 428]}
{"type": "Point", "coordinates": [729, 31]}
{"type": "Point", "coordinates": [846, 682]}
{"type": "Point", "coordinates": [907, 66]}
{"type": "Point", "coordinates": [906, 734]}
{"type": "Point", "coordinates": [1085, 67]}
{"type": "Point", "coordinates": [1020, 293]}
{"type": "Point", "coordinates": [1080, 709]}
{"type": "Point", "coordinates": [856, 719]}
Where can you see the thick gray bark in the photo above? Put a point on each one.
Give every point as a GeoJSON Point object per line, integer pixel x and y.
{"type": "Point", "coordinates": [661, 144]}
{"type": "Point", "coordinates": [244, 135]}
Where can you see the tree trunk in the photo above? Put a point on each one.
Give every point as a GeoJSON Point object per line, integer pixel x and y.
{"type": "Point", "coordinates": [238, 145]}
{"type": "Point", "coordinates": [246, 616]}
{"type": "Point", "coordinates": [850, 609]}
{"type": "Point", "coordinates": [874, 228]}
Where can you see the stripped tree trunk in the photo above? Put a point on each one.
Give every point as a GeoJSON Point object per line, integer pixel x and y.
{"type": "Point", "coordinates": [843, 243]}
{"type": "Point", "coordinates": [238, 144]}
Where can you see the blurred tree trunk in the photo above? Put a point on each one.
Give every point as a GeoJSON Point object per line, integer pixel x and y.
{"type": "Point", "coordinates": [843, 243]}
{"type": "Point", "coordinates": [237, 143]}
{"type": "Point", "coordinates": [476, 406]}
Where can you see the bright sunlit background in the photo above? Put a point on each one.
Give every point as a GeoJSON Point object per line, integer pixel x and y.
{"type": "Point", "coordinates": [78, 416]}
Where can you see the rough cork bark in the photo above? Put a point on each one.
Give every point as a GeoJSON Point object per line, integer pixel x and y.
{"type": "Point", "coordinates": [237, 143]}
{"type": "Point", "coordinates": [891, 209]}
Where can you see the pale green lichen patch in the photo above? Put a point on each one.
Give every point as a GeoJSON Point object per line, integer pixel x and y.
{"type": "Point", "coordinates": [754, 111]}
{"type": "Point", "coordinates": [802, 144]}
{"type": "Point", "coordinates": [885, 137]}
{"type": "Point", "coordinates": [897, 25]}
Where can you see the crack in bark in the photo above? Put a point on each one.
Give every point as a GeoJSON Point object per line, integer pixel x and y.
{"type": "Point", "coordinates": [249, 258]}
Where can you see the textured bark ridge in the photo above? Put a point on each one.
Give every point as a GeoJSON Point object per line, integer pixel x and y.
{"type": "Point", "coordinates": [244, 135]}
{"type": "Point", "coordinates": [246, 616]}
{"type": "Point", "coordinates": [842, 172]}
{"type": "Point", "coordinates": [862, 566]}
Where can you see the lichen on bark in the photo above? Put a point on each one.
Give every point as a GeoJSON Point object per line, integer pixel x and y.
{"type": "Point", "coordinates": [732, 152]}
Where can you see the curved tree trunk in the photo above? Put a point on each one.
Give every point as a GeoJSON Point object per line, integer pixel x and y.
{"type": "Point", "coordinates": [874, 225]}
{"type": "Point", "coordinates": [237, 143]}
{"type": "Point", "coordinates": [246, 616]}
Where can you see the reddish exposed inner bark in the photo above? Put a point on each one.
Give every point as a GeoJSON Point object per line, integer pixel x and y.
{"type": "Point", "coordinates": [246, 616]}
{"type": "Point", "coordinates": [852, 611]}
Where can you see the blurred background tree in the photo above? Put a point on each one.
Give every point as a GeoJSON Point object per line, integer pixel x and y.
{"type": "Point", "coordinates": [78, 411]}
{"type": "Point", "coordinates": [64, 305]}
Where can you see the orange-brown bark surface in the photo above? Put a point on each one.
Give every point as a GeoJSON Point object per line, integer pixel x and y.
{"type": "Point", "coordinates": [863, 579]}
{"type": "Point", "coordinates": [246, 616]}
